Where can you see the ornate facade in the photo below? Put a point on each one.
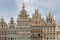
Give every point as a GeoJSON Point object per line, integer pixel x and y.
{"type": "Point", "coordinates": [35, 28]}
{"type": "Point", "coordinates": [3, 30]}
{"type": "Point", "coordinates": [23, 25]}
{"type": "Point", "coordinates": [49, 28]}
{"type": "Point", "coordinates": [37, 24]}
{"type": "Point", "coordinates": [12, 30]}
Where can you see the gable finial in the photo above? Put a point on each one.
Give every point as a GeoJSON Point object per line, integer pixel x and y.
{"type": "Point", "coordinates": [23, 6]}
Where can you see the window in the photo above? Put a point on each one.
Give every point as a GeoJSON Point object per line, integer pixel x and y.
{"type": "Point", "coordinates": [5, 32]}
{"type": "Point", "coordinates": [11, 38]}
{"type": "Point", "coordinates": [47, 37]}
{"type": "Point", "coordinates": [26, 24]}
{"type": "Point", "coordinates": [53, 23]}
{"type": "Point", "coordinates": [36, 22]}
{"type": "Point", "coordinates": [5, 38]}
{"type": "Point", "coordinates": [49, 19]}
{"type": "Point", "coordinates": [45, 24]}
{"type": "Point", "coordinates": [33, 35]}
{"type": "Point", "coordinates": [2, 38]}
{"type": "Point", "coordinates": [39, 35]}
{"type": "Point", "coordinates": [2, 26]}
{"type": "Point", "coordinates": [53, 37]}
{"type": "Point", "coordinates": [58, 32]}
{"type": "Point", "coordinates": [11, 22]}
{"type": "Point", "coordinates": [2, 32]}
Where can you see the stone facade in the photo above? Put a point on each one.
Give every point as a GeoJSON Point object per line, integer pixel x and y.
{"type": "Point", "coordinates": [23, 25]}
{"type": "Point", "coordinates": [3, 30]}
{"type": "Point", "coordinates": [57, 31]}
{"type": "Point", "coordinates": [12, 30]}
{"type": "Point", "coordinates": [37, 24]}
{"type": "Point", "coordinates": [35, 28]}
{"type": "Point", "coordinates": [49, 28]}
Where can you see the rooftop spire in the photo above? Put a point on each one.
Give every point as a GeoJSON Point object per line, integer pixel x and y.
{"type": "Point", "coordinates": [49, 13]}
{"type": "Point", "coordinates": [11, 20]}
{"type": "Point", "coordinates": [23, 6]}
{"type": "Point", "coordinates": [36, 12]}
{"type": "Point", "coordinates": [2, 18]}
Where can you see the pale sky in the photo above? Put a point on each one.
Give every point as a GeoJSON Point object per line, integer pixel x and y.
{"type": "Point", "coordinates": [11, 8]}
